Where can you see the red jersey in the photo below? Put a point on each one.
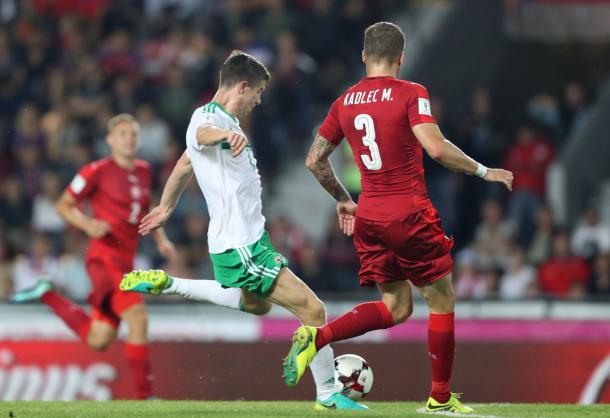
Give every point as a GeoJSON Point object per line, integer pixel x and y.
{"type": "Point", "coordinates": [557, 276]}
{"type": "Point", "coordinates": [376, 116]}
{"type": "Point", "coordinates": [530, 162]}
{"type": "Point", "coordinates": [118, 196]}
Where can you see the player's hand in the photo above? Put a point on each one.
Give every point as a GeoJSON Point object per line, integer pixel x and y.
{"type": "Point", "coordinates": [96, 228]}
{"type": "Point", "coordinates": [347, 216]}
{"type": "Point", "coordinates": [501, 176]}
{"type": "Point", "coordinates": [154, 219]}
{"type": "Point", "coordinates": [166, 249]}
{"type": "Point", "coordinates": [237, 142]}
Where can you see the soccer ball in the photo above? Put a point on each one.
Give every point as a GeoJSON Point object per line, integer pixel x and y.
{"type": "Point", "coordinates": [354, 373]}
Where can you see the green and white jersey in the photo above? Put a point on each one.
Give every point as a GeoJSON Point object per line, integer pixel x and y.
{"type": "Point", "coordinates": [231, 185]}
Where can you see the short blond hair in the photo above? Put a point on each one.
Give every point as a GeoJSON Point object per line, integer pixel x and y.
{"type": "Point", "coordinates": [120, 118]}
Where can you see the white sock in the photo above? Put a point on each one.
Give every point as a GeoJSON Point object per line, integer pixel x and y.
{"type": "Point", "coordinates": [205, 290]}
{"type": "Point", "coordinates": [323, 370]}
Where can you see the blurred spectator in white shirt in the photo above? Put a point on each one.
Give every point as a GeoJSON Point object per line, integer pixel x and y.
{"type": "Point", "coordinates": [493, 236]}
{"type": "Point", "coordinates": [154, 134]}
{"type": "Point", "coordinates": [44, 216]}
{"type": "Point", "coordinates": [590, 237]}
{"type": "Point", "coordinates": [469, 283]}
{"type": "Point", "coordinates": [72, 277]}
{"type": "Point", "coordinates": [519, 281]}
{"type": "Point", "coordinates": [40, 262]}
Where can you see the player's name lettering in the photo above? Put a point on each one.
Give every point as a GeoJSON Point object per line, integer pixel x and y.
{"type": "Point", "coordinates": [371, 96]}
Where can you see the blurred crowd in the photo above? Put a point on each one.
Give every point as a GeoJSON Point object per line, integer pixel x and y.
{"type": "Point", "coordinates": [66, 67]}
{"type": "Point", "coordinates": [509, 245]}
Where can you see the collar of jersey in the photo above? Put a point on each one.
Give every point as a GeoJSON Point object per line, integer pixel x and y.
{"type": "Point", "coordinates": [218, 105]}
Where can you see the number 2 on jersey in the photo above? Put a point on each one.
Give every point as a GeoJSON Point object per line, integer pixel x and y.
{"type": "Point", "coordinates": [136, 208]}
{"type": "Point", "coordinates": [364, 121]}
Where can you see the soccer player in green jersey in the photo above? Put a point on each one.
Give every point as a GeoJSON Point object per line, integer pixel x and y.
{"type": "Point", "coordinates": [250, 274]}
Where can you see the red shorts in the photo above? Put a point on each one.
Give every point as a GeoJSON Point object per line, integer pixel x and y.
{"type": "Point", "coordinates": [414, 248]}
{"type": "Point", "coordinates": [107, 300]}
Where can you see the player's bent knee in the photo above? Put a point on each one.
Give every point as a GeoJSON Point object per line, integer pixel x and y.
{"type": "Point", "coordinates": [137, 318]}
{"type": "Point", "coordinates": [260, 308]}
{"type": "Point", "coordinates": [99, 344]}
{"type": "Point", "coordinates": [312, 313]}
{"type": "Point", "coordinates": [318, 312]}
{"type": "Point", "coordinates": [401, 313]}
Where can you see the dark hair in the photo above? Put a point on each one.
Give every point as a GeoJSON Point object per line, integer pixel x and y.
{"type": "Point", "coordinates": [384, 41]}
{"type": "Point", "coordinates": [242, 67]}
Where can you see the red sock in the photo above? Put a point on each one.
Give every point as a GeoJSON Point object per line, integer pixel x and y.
{"type": "Point", "coordinates": [441, 350]}
{"type": "Point", "coordinates": [138, 359]}
{"type": "Point", "coordinates": [73, 315]}
{"type": "Point", "coordinates": [363, 318]}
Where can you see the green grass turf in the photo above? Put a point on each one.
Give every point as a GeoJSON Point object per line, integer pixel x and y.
{"type": "Point", "coordinates": [243, 409]}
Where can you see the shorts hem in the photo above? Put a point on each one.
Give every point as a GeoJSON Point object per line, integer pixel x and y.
{"type": "Point", "coordinates": [273, 280]}
{"type": "Point", "coordinates": [420, 283]}
{"type": "Point", "coordinates": [433, 278]}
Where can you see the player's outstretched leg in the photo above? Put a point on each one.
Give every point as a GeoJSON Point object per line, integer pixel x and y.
{"type": "Point", "coordinates": [293, 294]}
{"type": "Point", "coordinates": [301, 354]}
{"type": "Point", "coordinates": [72, 314]}
{"type": "Point", "coordinates": [395, 306]}
{"type": "Point", "coordinates": [34, 293]}
{"type": "Point", "coordinates": [152, 282]}
{"type": "Point", "coordinates": [441, 345]}
{"type": "Point", "coordinates": [157, 282]}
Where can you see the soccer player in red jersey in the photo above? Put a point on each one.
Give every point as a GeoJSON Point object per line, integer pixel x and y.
{"type": "Point", "coordinates": [397, 232]}
{"type": "Point", "coordinates": [118, 189]}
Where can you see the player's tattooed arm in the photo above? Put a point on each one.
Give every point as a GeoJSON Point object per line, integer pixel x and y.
{"type": "Point", "coordinates": [319, 164]}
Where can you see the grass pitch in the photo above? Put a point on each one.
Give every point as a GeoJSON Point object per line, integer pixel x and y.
{"type": "Point", "coordinates": [244, 409]}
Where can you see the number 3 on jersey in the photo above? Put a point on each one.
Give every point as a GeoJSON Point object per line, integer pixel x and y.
{"type": "Point", "coordinates": [364, 121]}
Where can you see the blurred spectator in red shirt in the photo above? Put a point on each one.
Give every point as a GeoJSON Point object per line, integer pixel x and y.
{"type": "Point", "coordinates": [529, 159]}
{"type": "Point", "coordinates": [565, 274]}
{"type": "Point", "coordinates": [117, 54]}
{"type": "Point", "coordinates": [90, 8]}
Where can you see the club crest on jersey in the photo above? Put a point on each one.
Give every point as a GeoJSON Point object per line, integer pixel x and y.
{"type": "Point", "coordinates": [279, 260]}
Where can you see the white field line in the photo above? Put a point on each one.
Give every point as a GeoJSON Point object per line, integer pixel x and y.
{"type": "Point", "coordinates": [457, 414]}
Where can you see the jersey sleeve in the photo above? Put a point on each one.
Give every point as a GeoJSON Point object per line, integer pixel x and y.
{"type": "Point", "coordinates": [200, 118]}
{"type": "Point", "coordinates": [331, 128]}
{"type": "Point", "coordinates": [85, 182]}
{"type": "Point", "coordinates": [418, 106]}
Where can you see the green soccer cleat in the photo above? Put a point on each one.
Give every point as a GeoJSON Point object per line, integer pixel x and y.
{"type": "Point", "coordinates": [301, 354]}
{"type": "Point", "coordinates": [452, 405]}
{"type": "Point", "coordinates": [339, 401]}
{"type": "Point", "coordinates": [34, 293]}
{"type": "Point", "coordinates": [151, 282]}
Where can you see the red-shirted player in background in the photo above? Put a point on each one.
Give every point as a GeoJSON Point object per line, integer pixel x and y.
{"type": "Point", "coordinates": [118, 189]}
{"type": "Point", "coordinates": [397, 232]}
